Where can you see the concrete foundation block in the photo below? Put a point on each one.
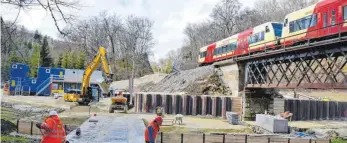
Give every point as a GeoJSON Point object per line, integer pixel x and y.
{"type": "Point", "coordinates": [272, 123]}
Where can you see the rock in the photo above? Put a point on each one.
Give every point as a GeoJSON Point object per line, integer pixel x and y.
{"type": "Point", "coordinates": [332, 134]}
{"type": "Point", "coordinates": [201, 80]}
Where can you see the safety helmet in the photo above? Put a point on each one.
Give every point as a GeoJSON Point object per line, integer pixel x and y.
{"type": "Point", "coordinates": [158, 119]}
{"type": "Point", "coordinates": [53, 113]}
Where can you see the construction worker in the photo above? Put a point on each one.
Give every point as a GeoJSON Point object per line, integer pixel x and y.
{"type": "Point", "coordinates": [54, 131]}
{"type": "Point", "coordinates": [152, 129]}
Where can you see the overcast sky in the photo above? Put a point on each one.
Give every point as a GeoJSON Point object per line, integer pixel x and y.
{"type": "Point", "coordinates": [170, 17]}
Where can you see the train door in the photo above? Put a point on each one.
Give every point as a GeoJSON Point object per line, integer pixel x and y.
{"type": "Point", "coordinates": [333, 14]}
{"type": "Point", "coordinates": [210, 50]}
{"type": "Point", "coordinates": [344, 16]}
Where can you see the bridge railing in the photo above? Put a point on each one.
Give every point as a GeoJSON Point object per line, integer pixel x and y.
{"type": "Point", "coordinates": [286, 42]}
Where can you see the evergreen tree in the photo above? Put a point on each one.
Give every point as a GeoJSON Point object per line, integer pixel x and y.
{"type": "Point", "coordinates": [65, 60]}
{"type": "Point", "coordinates": [34, 61]}
{"type": "Point", "coordinates": [45, 56]}
{"type": "Point", "coordinates": [81, 60]}
{"type": "Point", "coordinates": [70, 63]}
{"type": "Point", "coordinates": [29, 45]}
{"type": "Point", "coordinates": [59, 61]}
{"type": "Point", "coordinates": [37, 37]}
{"type": "Point", "coordinates": [168, 66]}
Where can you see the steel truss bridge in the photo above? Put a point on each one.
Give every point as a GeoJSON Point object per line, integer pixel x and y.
{"type": "Point", "coordinates": [311, 64]}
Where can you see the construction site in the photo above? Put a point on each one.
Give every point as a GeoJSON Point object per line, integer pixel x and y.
{"type": "Point", "coordinates": [174, 71]}
{"type": "Point", "coordinates": [212, 111]}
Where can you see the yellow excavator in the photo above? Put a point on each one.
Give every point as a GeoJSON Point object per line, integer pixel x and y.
{"type": "Point", "coordinates": [85, 96]}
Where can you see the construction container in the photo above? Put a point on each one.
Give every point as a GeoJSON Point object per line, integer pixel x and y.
{"type": "Point", "coordinates": [19, 70]}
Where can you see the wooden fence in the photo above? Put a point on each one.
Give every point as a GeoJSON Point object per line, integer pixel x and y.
{"type": "Point", "coordinates": [231, 138]}
{"type": "Point", "coordinates": [29, 128]}
{"type": "Point", "coordinates": [312, 109]}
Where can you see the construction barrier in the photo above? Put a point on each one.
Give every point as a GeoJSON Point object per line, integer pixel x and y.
{"type": "Point", "coordinates": [231, 138]}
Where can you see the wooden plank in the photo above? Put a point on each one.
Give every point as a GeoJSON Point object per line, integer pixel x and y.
{"type": "Point", "coordinates": [292, 140]}
{"type": "Point", "coordinates": [257, 139]}
{"type": "Point", "coordinates": [229, 138]}
{"type": "Point", "coordinates": [171, 138]}
{"type": "Point", "coordinates": [24, 127]}
{"type": "Point", "coordinates": [189, 138]}
{"type": "Point", "coordinates": [213, 138]}
{"type": "Point", "coordinates": [278, 140]}
{"type": "Point", "coordinates": [320, 141]}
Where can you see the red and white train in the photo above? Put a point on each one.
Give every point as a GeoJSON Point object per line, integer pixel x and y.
{"type": "Point", "coordinates": [320, 21]}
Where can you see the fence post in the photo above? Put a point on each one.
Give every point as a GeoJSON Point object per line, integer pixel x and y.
{"type": "Point", "coordinates": [203, 138]}
{"type": "Point", "coordinates": [31, 128]}
{"type": "Point", "coordinates": [17, 125]}
{"type": "Point", "coordinates": [246, 138]}
{"type": "Point", "coordinates": [288, 140]}
{"type": "Point", "coordinates": [161, 137]}
{"type": "Point", "coordinates": [223, 138]}
{"type": "Point", "coordinates": [309, 140]}
{"type": "Point", "coordinates": [268, 139]}
{"type": "Point", "coordinates": [182, 138]}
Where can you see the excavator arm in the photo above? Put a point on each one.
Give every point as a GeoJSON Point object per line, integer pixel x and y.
{"type": "Point", "coordinates": [100, 56]}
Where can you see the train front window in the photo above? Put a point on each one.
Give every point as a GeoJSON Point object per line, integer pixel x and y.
{"type": "Point", "coordinates": [345, 13]}
{"type": "Point", "coordinates": [278, 29]}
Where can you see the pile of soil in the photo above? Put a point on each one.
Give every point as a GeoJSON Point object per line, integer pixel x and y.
{"type": "Point", "coordinates": [201, 80]}
{"type": "Point", "coordinates": [7, 127]}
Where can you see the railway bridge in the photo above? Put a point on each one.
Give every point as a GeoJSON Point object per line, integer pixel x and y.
{"type": "Point", "coordinates": [254, 78]}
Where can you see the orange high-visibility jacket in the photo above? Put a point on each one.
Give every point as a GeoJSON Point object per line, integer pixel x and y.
{"type": "Point", "coordinates": [151, 132]}
{"type": "Point", "coordinates": [54, 130]}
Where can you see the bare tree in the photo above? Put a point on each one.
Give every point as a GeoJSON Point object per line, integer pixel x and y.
{"type": "Point", "coordinates": [136, 39]}
{"type": "Point", "coordinates": [58, 9]}
{"type": "Point", "coordinates": [225, 14]}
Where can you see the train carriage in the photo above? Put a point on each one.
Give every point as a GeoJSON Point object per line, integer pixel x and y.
{"type": "Point", "coordinates": [202, 55]}
{"type": "Point", "coordinates": [251, 40]}
{"type": "Point", "coordinates": [225, 48]}
{"type": "Point", "coordinates": [319, 21]}
{"type": "Point", "coordinates": [265, 35]}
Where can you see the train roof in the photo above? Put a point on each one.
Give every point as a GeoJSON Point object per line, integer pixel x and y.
{"type": "Point", "coordinates": [203, 49]}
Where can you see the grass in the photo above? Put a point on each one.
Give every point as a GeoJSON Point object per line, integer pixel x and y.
{"type": "Point", "coordinates": [74, 120]}
{"type": "Point", "coordinates": [5, 138]}
{"type": "Point", "coordinates": [338, 140]}
{"type": "Point", "coordinates": [9, 114]}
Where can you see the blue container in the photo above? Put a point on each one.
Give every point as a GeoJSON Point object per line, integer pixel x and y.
{"type": "Point", "coordinates": [19, 70]}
